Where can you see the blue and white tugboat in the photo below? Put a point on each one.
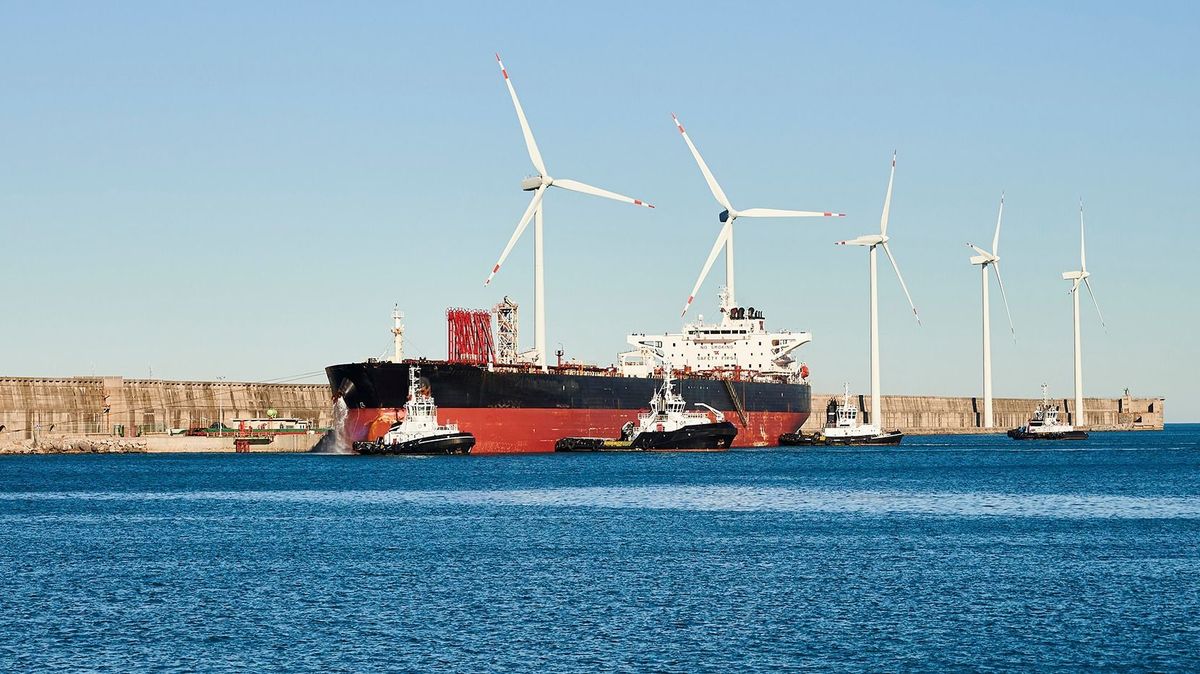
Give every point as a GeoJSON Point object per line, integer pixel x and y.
{"type": "Point", "coordinates": [419, 431]}
{"type": "Point", "coordinates": [1045, 425]}
{"type": "Point", "coordinates": [668, 426]}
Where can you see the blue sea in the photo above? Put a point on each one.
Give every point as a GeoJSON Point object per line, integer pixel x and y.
{"type": "Point", "coordinates": [947, 553]}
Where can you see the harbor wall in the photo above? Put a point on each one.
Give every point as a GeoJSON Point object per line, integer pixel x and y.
{"type": "Point", "coordinates": [146, 408]}
{"type": "Point", "coordinates": [926, 415]}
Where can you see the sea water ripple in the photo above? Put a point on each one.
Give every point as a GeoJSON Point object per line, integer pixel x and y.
{"type": "Point", "coordinates": [716, 497]}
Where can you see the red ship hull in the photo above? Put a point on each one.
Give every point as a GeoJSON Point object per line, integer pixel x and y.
{"type": "Point", "coordinates": [531, 430]}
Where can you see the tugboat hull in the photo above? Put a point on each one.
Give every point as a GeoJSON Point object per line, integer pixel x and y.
{"type": "Point", "coordinates": [1022, 434]}
{"type": "Point", "coordinates": [450, 443]}
{"type": "Point", "coordinates": [820, 439]}
{"type": "Point", "coordinates": [714, 437]}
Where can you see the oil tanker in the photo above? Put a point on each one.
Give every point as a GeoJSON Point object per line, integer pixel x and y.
{"type": "Point", "coordinates": [735, 366]}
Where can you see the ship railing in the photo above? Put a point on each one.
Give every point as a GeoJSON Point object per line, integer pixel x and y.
{"type": "Point", "coordinates": [733, 374]}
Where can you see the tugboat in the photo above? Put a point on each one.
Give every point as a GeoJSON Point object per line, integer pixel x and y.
{"type": "Point", "coordinates": [419, 432]}
{"type": "Point", "coordinates": [1044, 425]}
{"type": "Point", "coordinates": [666, 427]}
{"type": "Point", "coordinates": [842, 428]}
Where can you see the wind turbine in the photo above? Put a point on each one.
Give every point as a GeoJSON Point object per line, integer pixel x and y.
{"type": "Point", "coordinates": [727, 216]}
{"type": "Point", "coordinates": [985, 259]}
{"type": "Point", "coordinates": [538, 185]}
{"type": "Point", "coordinates": [873, 241]}
{"type": "Point", "coordinates": [1075, 277]}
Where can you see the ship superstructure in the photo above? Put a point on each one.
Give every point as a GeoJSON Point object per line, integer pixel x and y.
{"type": "Point", "coordinates": [739, 345]}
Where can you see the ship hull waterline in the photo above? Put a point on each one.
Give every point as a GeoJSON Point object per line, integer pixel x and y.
{"type": "Point", "coordinates": [438, 445]}
{"type": "Point", "coordinates": [819, 439]}
{"type": "Point", "coordinates": [1021, 434]}
{"type": "Point", "coordinates": [518, 431]}
{"type": "Point", "coordinates": [524, 412]}
{"type": "Point", "coordinates": [711, 437]}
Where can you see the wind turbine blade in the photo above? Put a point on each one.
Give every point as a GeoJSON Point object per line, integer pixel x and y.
{"type": "Point", "coordinates": [530, 143]}
{"type": "Point", "coordinates": [996, 237]}
{"type": "Point", "coordinates": [778, 213]}
{"type": "Point", "coordinates": [1093, 296]}
{"type": "Point", "coordinates": [901, 278]}
{"type": "Point", "coordinates": [576, 186]}
{"type": "Point", "coordinates": [512, 241]}
{"type": "Point", "coordinates": [708, 176]}
{"type": "Point", "coordinates": [1082, 250]}
{"type": "Point", "coordinates": [712, 257]}
{"type": "Point", "coordinates": [979, 250]}
{"type": "Point", "coordinates": [887, 201]}
{"type": "Point", "coordinates": [1011, 327]}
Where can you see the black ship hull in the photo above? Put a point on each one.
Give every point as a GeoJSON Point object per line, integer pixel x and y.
{"type": "Point", "coordinates": [449, 443]}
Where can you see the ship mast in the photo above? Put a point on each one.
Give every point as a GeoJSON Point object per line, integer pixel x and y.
{"type": "Point", "coordinates": [398, 333]}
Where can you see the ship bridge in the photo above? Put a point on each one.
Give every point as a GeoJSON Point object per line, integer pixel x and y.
{"type": "Point", "coordinates": [740, 342]}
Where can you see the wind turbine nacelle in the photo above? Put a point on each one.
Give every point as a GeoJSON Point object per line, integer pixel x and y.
{"type": "Point", "coordinates": [724, 216]}
{"type": "Point", "coordinates": [1074, 275]}
{"type": "Point", "coordinates": [531, 184]}
{"type": "Point", "coordinates": [979, 259]}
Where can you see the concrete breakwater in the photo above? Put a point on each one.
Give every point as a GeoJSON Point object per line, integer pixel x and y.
{"type": "Point", "coordinates": [46, 410]}
{"type": "Point", "coordinates": [78, 409]}
{"type": "Point", "coordinates": [930, 415]}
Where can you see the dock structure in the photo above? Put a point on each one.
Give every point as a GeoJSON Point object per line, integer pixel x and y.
{"type": "Point", "coordinates": [152, 409]}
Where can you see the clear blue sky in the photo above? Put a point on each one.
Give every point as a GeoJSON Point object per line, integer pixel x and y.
{"type": "Point", "coordinates": [244, 189]}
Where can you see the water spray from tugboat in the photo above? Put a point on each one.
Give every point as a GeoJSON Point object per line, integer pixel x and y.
{"type": "Point", "coordinates": [335, 440]}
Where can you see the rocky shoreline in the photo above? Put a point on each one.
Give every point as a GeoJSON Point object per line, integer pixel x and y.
{"type": "Point", "coordinates": [74, 445]}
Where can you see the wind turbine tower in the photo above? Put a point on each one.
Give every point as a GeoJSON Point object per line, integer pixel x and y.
{"type": "Point", "coordinates": [538, 184]}
{"type": "Point", "coordinates": [985, 260]}
{"type": "Point", "coordinates": [1079, 418]}
{"type": "Point", "coordinates": [874, 241]}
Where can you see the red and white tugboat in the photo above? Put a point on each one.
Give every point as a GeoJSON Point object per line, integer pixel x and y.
{"type": "Point", "coordinates": [419, 431]}
{"type": "Point", "coordinates": [668, 426]}
{"type": "Point", "coordinates": [1044, 425]}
